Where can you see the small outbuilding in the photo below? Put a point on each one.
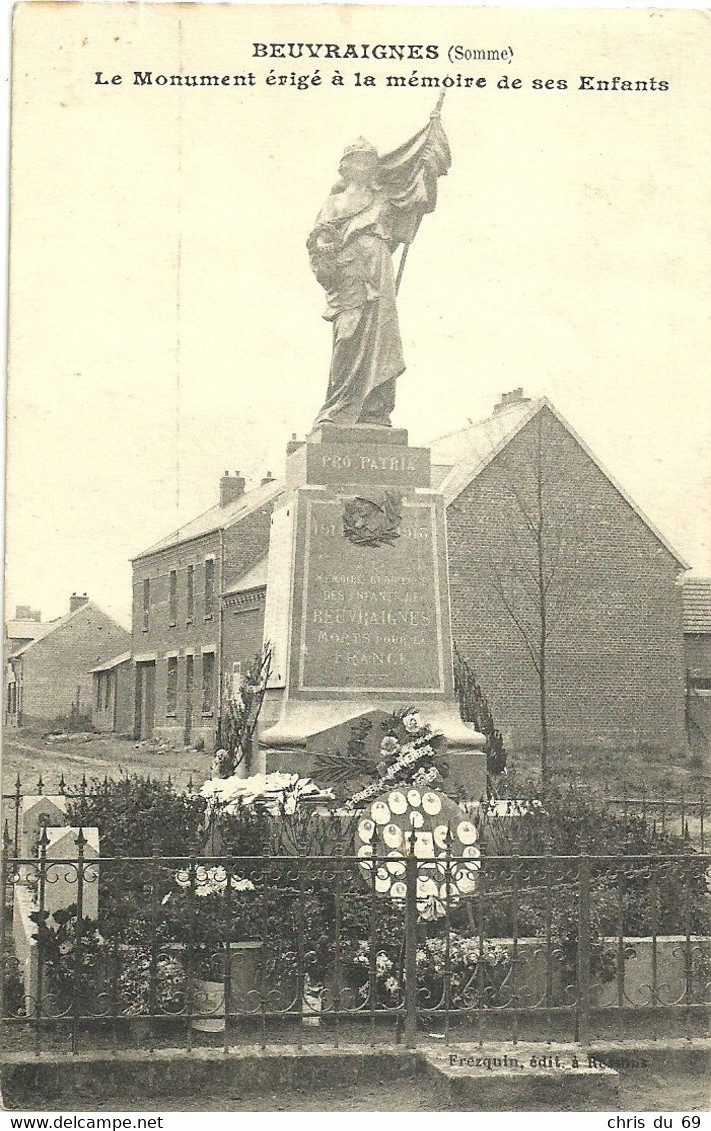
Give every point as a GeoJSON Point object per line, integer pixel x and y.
{"type": "Point", "coordinates": [113, 695]}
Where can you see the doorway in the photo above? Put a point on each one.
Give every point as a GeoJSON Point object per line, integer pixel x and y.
{"type": "Point", "coordinates": [145, 698]}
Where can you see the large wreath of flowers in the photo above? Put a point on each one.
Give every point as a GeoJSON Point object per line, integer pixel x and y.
{"type": "Point", "coordinates": [412, 762]}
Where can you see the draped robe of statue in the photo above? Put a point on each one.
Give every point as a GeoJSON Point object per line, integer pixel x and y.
{"type": "Point", "coordinates": [351, 253]}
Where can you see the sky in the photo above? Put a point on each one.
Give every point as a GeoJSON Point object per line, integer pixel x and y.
{"type": "Point", "coordinates": [165, 325]}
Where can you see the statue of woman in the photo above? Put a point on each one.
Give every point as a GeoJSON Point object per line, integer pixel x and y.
{"type": "Point", "coordinates": [376, 206]}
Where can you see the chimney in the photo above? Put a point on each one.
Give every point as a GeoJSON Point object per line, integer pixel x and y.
{"type": "Point", "coordinates": [268, 478]}
{"type": "Point", "coordinates": [231, 488]}
{"type": "Point", "coordinates": [293, 444]}
{"type": "Point", "coordinates": [76, 601]}
{"type": "Point", "coordinates": [515, 397]}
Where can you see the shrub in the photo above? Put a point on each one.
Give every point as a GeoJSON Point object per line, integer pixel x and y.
{"type": "Point", "coordinates": [197, 914]}
{"type": "Point", "coordinates": [136, 815]}
{"type": "Point", "coordinates": [75, 956]}
{"type": "Point", "coordinates": [246, 831]}
{"type": "Point", "coordinates": [73, 723]}
{"type": "Point", "coordinates": [643, 896]}
{"type": "Point", "coordinates": [474, 708]}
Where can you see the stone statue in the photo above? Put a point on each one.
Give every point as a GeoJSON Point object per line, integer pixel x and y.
{"type": "Point", "coordinates": [376, 205]}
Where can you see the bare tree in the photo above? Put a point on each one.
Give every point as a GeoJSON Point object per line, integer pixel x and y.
{"type": "Point", "coordinates": [533, 562]}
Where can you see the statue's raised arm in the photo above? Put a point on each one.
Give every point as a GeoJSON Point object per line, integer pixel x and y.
{"type": "Point", "coordinates": [376, 206]}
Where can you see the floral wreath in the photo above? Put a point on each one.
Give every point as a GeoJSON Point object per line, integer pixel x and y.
{"type": "Point", "coordinates": [412, 761]}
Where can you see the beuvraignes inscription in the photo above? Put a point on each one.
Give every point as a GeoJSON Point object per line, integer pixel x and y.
{"type": "Point", "coordinates": [369, 622]}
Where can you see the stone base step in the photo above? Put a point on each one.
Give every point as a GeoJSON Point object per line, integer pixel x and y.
{"type": "Point", "coordinates": [524, 1077]}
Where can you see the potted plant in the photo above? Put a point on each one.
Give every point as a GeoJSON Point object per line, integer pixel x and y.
{"type": "Point", "coordinates": [146, 984]}
{"type": "Point", "coordinates": [214, 916]}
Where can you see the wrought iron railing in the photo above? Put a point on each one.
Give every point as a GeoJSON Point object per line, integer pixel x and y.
{"type": "Point", "coordinates": [164, 951]}
{"type": "Point", "coordinates": [85, 790]}
{"type": "Point", "coordinates": [682, 815]}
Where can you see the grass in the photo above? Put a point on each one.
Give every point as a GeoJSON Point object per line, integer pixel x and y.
{"type": "Point", "coordinates": [608, 772]}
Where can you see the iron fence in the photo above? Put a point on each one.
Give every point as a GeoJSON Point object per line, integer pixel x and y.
{"type": "Point", "coordinates": [164, 951]}
{"type": "Point", "coordinates": [12, 801]}
{"type": "Point", "coordinates": [678, 815]}
{"type": "Point", "coordinates": [684, 816]}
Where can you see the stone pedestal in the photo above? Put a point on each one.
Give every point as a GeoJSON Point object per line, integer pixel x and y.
{"type": "Point", "coordinates": [357, 594]}
{"type": "Point", "coordinates": [62, 880]}
{"type": "Point", "coordinates": [38, 810]}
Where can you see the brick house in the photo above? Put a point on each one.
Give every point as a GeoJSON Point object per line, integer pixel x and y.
{"type": "Point", "coordinates": [188, 613]}
{"type": "Point", "coordinates": [50, 676]}
{"type": "Point", "coordinates": [243, 606]}
{"type": "Point", "coordinates": [614, 649]}
{"type": "Point", "coordinates": [614, 663]}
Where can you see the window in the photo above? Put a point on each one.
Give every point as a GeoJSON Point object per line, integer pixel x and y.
{"type": "Point", "coordinates": [171, 694]}
{"type": "Point", "coordinates": [191, 593]}
{"type": "Point", "coordinates": [107, 689]}
{"type": "Point", "coordinates": [98, 692]}
{"type": "Point", "coordinates": [209, 586]}
{"type": "Point", "coordinates": [146, 601]}
{"type": "Point", "coordinates": [208, 680]}
{"type": "Point", "coordinates": [189, 676]}
{"type": "Point", "coordinates": [173, 614]}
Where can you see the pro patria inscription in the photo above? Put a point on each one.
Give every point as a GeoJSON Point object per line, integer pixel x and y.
{"type": "Point", "coordinates": [388, 465]}
{"type": "Point", "coordinates": [371, 616]}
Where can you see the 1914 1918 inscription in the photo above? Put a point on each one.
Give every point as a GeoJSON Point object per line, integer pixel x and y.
{"type": "Point", "coordinates": [371, 618]}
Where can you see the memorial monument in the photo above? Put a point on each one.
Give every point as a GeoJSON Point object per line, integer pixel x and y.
{"type": "Point", "coordinates": [357, 595]}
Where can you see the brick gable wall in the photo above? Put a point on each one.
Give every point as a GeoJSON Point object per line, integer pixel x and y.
{"type": "Point", "coordinates": [59, 664]}
{"type": "Point", "coordinates": [615, 658]}
{"type": "Point", "coordinates": [246, 543]}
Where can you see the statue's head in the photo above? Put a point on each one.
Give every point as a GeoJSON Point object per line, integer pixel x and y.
{"type": "Point", "coordinates": [359, 162]}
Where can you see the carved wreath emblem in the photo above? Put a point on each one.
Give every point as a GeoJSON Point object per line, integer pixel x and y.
{"type": "Point", "coordinates": [367, 523]}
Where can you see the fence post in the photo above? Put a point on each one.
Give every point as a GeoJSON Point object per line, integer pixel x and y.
{"type": "Point", "coordinates": [583, 998]}
{"type": "Point", "coordinates": [411, 946]}
{"type": "Point", "coordinates": [3, 957]}
{"type": "Point", "coordinates": [37, 1005]}
{"type": "Point", "coordinates": [79, 979]}
{"type": "Point", "coordinates": [18, 805]}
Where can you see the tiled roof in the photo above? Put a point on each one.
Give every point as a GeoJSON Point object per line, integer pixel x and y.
{"type": "Point", "coordinates": [55, 624]}
{"type": "Point", "coordinates": [697, 604]}
{"type": "Point", "coordinates": [219, 517]}
{"type": "Point", "coordinates": [28, 629]}
{"type": "Point", "coordinates": [472, 449]}
{"type": "Point", "coordinates": [480, 440]}
{"type": "Point", "coordinates": [254, 578]}
{"type": "Point", "coordinates": [109, 665]}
